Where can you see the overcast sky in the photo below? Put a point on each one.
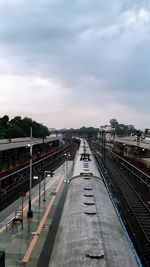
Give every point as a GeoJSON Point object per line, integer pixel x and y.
{"type": "Point", "coordinates": [72, 63]}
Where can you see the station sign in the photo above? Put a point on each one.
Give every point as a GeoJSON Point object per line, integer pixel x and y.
{"type": "Point", "coordinates": [22, 194]}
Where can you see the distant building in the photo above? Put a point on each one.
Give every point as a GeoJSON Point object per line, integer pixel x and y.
{"type": "Point", "coordinates": [52, 129]}
{"type": "Point", "coordinates": [107, 128]}
{"type": "Point", "coordinates": [103, 127]}
{"type": "Point", "coordinates": [147, 132]}
{"type": "Point", "coordinates": [130, 127]}
{"type": "Point", "coordinates": [115, 126]}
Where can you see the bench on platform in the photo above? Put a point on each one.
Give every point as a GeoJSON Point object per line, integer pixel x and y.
{"type": "Point", "coordinates": [17, 218]}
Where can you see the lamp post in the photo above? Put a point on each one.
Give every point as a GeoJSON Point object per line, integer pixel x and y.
{"type": "Point", "coordinates": [30, 212]}
{"type": "Point", "coordinates": [103, 146]}
{"type": "Point", "coordinates": [46, 173]}
{"type": "Point", "coordinates": [38, 178]}
{"type": "Point", "coordinates": [39, 190]}
{"type": "Point", "coordinates": [67, 156]}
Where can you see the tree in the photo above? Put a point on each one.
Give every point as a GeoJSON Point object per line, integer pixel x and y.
{"type": "Point", "coordinates": [18, 127]}
{"type": "Point", "coordinates": [4, 120]}
{"type": "Point", "coordinates": [4, 127]}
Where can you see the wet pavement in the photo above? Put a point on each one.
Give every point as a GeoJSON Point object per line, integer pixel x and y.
{"type": "Point", "coordinates": [23, 246]}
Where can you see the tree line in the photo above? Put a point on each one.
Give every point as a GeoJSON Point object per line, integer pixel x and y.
{"type": "Point", "coordinates": [20, 127]}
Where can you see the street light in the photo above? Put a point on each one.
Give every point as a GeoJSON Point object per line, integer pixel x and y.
{"type": "Point", "coordinates": [30, 212]}
{"type": "Point", "coordinates": [67, 156]}
{"type": "Point", "coordinates": [103, 146]}
{"type": "Point", "coordinates": [47, 174]}
{"type": "Point", "coordinates": [38, 178]}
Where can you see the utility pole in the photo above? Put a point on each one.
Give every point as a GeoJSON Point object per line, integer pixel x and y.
{"type": "Point", "coordinates": [30, 212]}
{"type": "Point", "coordinates": [138, 138]}
{"type": "Point", "coordinates": [39, 189]}
{"type": "Point", "coordinates": [103, 146]}
{"type": "Point", "coordinates": [44, 199]}
{"type": "Point", "coordinates": [46, 174]}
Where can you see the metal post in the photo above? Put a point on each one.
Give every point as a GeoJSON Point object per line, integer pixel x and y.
{"type": "Point", "coordinates": [30, 212]}
{"type": "Point", "coordinates": [44, 185]}
{"type": "Point", "coordinates": [64, 167]}
{"type": "Point", "coordinates": [67, 169]}
{"type": "Point", "coordinates": [39, 190]}
{"type": "Point", "coordinates": [49, 173]}
{"type": "Point", "coordinates": [103, 146]}
{"type": "Point", "coordinates": [22, 213]}
{"type": "Point", "coordinates": [138, 138]}
{"type": "Point", "coordinates": [102, 143]}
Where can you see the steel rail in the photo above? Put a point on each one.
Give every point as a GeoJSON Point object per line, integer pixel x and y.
{"type": "Point", "coordinates": [142, 172]}
{"type": "Point", "coordinates": [131, 219]}
{"type": "Point", "coordinates": [16, 186]}
{"type": "Point", "coordinates": [54, 153]}
{"type": "Point", "coordinates": [136, 213]}
{"type": "Point", "coordinates": [126, 161]}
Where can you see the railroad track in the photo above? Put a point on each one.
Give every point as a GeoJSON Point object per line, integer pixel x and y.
{"type": "Point", "coordinates": [13, 193]}
{"type": "Point", "coordinates": [136, 215]}
{"type": "Point", "coordinates": [133, 209]}
{"type": "Point", "coordinates": [23, 185]}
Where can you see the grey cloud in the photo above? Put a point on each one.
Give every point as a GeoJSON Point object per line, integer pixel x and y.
{"type": "Point", "coordinates": [75, 40]}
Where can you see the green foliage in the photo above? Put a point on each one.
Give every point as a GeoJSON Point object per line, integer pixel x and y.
{"type": "Point", "coordinates": [83, 129]}
{"type": "Point", "coordinates": [18, 127]}
{"type": "Point", "coordinates": [87, 129]}
{"type": "Point", "coordinates": [4, 126]}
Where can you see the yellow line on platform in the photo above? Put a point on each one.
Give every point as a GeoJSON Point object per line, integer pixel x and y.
{"type": "Point", "coordinates": [33, 200]}
{"type": "Point", "coordinates": [3, 228]}
{"type": "Point", "coordinates": [39, 229]}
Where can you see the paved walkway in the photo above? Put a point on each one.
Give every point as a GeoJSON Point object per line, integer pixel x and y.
{"type": "Point", "coordinates": [21, 142]}
{"type": "Point", "coordinates": [23, 246]}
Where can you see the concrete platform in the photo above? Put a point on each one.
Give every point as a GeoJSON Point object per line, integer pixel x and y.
{"type": "Point", "coordinates": [23, 246]}
{"type": "Point", "coordinates": [143, 144]}
{"type": "Point", "coordinates": [24, 142]}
